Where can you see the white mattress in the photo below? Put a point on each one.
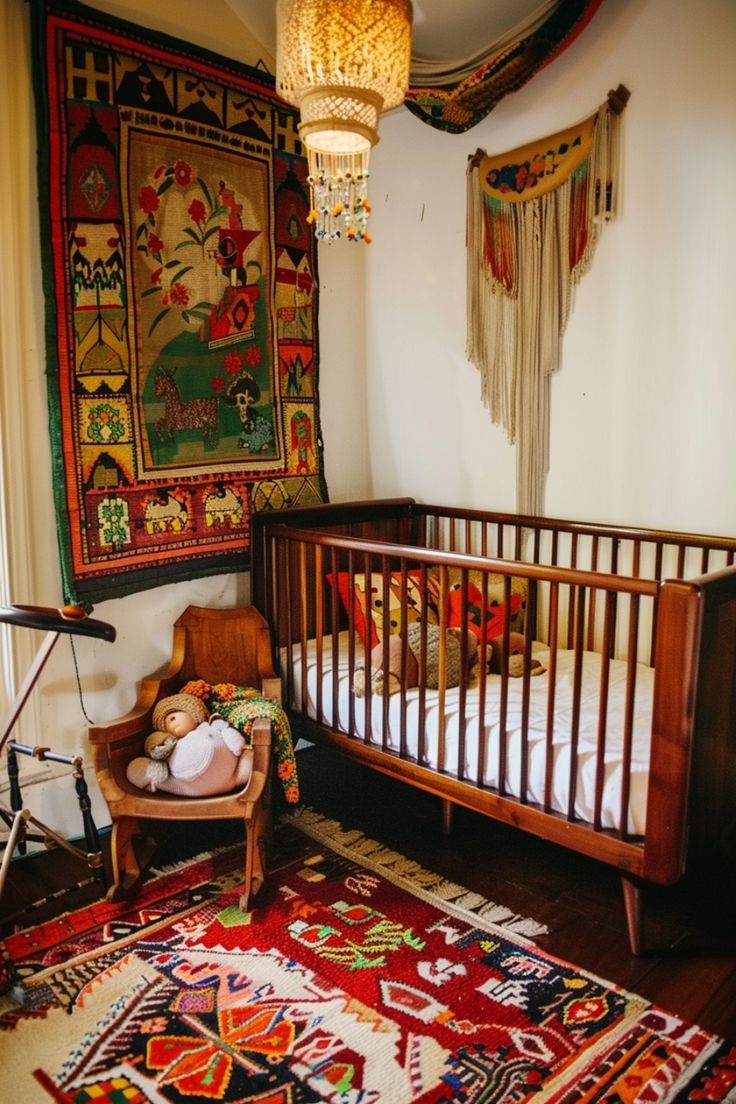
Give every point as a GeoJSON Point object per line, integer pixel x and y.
{"type": "Point", "coordinates": [537, 727]}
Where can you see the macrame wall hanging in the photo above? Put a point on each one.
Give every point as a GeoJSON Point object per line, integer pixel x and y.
{"type": "Point", "coordinates": [534, 217]}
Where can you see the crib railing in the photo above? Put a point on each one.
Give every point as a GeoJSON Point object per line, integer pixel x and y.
{"type": "Point", "coordinates": [616, 550]}
{"type": "Point", "coordinates": [317, 633]}
{"type": "Point", "coordinates": [608, 590]}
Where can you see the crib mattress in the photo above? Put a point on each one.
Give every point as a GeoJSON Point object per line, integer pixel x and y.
{"type": "Point", "coordinates": [304, 667]}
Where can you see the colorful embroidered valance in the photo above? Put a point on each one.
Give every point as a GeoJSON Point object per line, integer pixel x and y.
{"type": "Point", "coordinates": [454, 96]}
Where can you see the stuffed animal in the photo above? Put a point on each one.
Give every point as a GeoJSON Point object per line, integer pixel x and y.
{"type": "Point", "coordinates": [389, 680]}
{"type": "Point", "coordinates": [191, 753]}
{"type": "Point", "coordinates": [513, 659]}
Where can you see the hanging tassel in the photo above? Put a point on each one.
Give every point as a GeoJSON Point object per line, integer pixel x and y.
{"type": "Point", "coordinates": [339, 188]}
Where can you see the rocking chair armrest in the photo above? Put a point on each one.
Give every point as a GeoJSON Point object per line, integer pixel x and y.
{"type": "Point", "coordinates": [271, 688]}
{"type": "Point", "coordinates": [260, 740]}
{"type": "Point", "coordinates": [109, 788]}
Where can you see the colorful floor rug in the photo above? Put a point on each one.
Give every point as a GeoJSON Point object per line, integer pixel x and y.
{"type": "Point", "coordinates": [181, 302]}
{"type": "Point", "coordinates": [359, 978]}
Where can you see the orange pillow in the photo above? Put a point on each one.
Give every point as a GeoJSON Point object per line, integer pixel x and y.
{"type": "Point", "coordinates": [368, 608]}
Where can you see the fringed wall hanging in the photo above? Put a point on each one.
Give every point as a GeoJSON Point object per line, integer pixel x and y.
{"type": "Point", "coordinates": [534, 217]}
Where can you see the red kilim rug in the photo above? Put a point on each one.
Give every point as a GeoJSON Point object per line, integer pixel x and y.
{"type": "Point", "coordinates": [359, 978]}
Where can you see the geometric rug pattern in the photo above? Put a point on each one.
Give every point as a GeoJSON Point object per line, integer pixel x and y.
{"type": "Point", "coordinates": [358, 977]}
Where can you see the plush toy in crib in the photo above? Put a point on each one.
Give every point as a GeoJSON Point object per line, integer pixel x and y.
{"type": "Point", "coordinates": [191, 753]}
{"type": "Point", "coordinates": [389, 680]}
{"type": "Point", "coordinates": [513, 658]}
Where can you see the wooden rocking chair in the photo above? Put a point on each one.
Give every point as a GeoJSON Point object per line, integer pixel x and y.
{"type": "Point", "coordinates": [217, 645]}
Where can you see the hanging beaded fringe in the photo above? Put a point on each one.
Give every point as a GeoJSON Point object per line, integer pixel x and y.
{"type": "Point", "coordinates": [340, 205]}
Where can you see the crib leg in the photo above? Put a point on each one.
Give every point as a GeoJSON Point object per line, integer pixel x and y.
{"type": "Point", "coordinates": [446, 816]}
{"type": "Point", "coordinates": [634, 904]}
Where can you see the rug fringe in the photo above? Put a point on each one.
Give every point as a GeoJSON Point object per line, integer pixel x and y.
{"type": "Point", "coordinates": [158, 871]}
{"type": "Point", "coordinates": [425, 883]}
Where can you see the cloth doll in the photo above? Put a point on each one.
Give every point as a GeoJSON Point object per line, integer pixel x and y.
{"type": "Point", "coordinates": [191, 753]}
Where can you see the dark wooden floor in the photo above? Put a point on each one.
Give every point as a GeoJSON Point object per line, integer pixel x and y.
{"type": "Point", "coordinates": [693, 974]}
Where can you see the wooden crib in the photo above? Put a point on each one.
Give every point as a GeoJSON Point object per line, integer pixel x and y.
{"type": "Point", "coordinates": [623, 749]}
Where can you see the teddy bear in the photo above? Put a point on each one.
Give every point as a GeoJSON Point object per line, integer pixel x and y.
{"type": "Point", "coordinates": [190, 752]}
{"type": "Point", "coordinates": [513, 658]}
{"type": "Point", "coordinates": [389, 680]}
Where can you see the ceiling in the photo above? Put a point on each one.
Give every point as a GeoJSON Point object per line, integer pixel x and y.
{"type": "Point", "coordinates": [442, 30]}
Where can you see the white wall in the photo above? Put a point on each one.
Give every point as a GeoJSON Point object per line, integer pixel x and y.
{"type": "Point", "coordinates": [643, 405]}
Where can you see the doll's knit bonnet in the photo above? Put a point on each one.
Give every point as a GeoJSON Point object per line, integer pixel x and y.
{"type": "Point", "coordinates": [175, 703]}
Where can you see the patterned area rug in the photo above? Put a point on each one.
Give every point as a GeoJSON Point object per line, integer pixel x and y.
{"type": "Point", "coordinates": [181, 302]}
{"type": "Point", "coordinates": [359, 978]}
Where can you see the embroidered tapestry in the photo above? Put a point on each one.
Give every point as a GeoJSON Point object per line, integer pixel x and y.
{"type": "Point", "coordinates": [181, 302]}
{"type": "Point", "coordinates": [454, 96]}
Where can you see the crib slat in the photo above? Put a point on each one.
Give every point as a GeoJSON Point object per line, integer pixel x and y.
{"type": "Point", "coordinates": [319, 627]}
{"type": "Point", "coordinates": [554, 603]}
{"type": "Point", "coordinates": [575, 720]}
{"type": "Point", "coordinates": [600, 755]}
{"type": "Point", "coordinates": [334, 621]}
{"type": "Point", "coordinates": [590, 645]}
{"type": "Point", "coordinates": [442, 667]}
{"type": "Point", "coordinates": [352, 731]}
{"type": "Point", "coordinates": [285, 550]}
{"type": "Point", "coordinates": [681, 562]}
{"type": "Point", "coordinates": [655, 605]}
{"type": "Point", "coordinates": [462, 701]}
{"type": "Point", "coordinates": [483, 655]}
{"type": "Point", "coordinates": [628, 734]}
{"type": "Point", "coordinates": [502, 709]}
{"type": "Point", "coordinates": [303, 622]}
{"type": "Point", "coordinates": [422, 705]}
{"type": "Point", "coordinates": [524, 763]}
{"type": "Point", "coordinates": [366, 648]}
{"type": "Point", "coordinates": [405, 647]}
{"type": "Point", "coordinates": [385, 640]}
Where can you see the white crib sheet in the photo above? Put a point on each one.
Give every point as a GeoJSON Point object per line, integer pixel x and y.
{"type": "Point", "coordinates": [537, 727]}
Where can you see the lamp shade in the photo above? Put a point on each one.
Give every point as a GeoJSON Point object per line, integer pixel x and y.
{"type": "Point", "coordinates": [342, 62]}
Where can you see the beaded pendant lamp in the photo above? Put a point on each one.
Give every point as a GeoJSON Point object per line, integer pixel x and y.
{"type": "Point", "coordinates": [342, 62]}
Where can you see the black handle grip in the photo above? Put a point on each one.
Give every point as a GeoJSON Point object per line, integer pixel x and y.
{"type": "Point", "coordinates": [69, 619]}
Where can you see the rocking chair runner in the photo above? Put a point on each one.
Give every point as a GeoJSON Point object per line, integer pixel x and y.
{"type": "Point", "coordinates": [216, 645]}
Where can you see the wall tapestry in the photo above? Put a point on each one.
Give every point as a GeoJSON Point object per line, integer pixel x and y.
{"type": "Point", "coordinates": [454, 96]}
{"type": "Point", "coordinates": [534, 218]}
{"type": "Point", "coordinates": [181, 302]}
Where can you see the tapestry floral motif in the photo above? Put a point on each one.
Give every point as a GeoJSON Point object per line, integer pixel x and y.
{"type": "Point", "coordinates": [181, 296]}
